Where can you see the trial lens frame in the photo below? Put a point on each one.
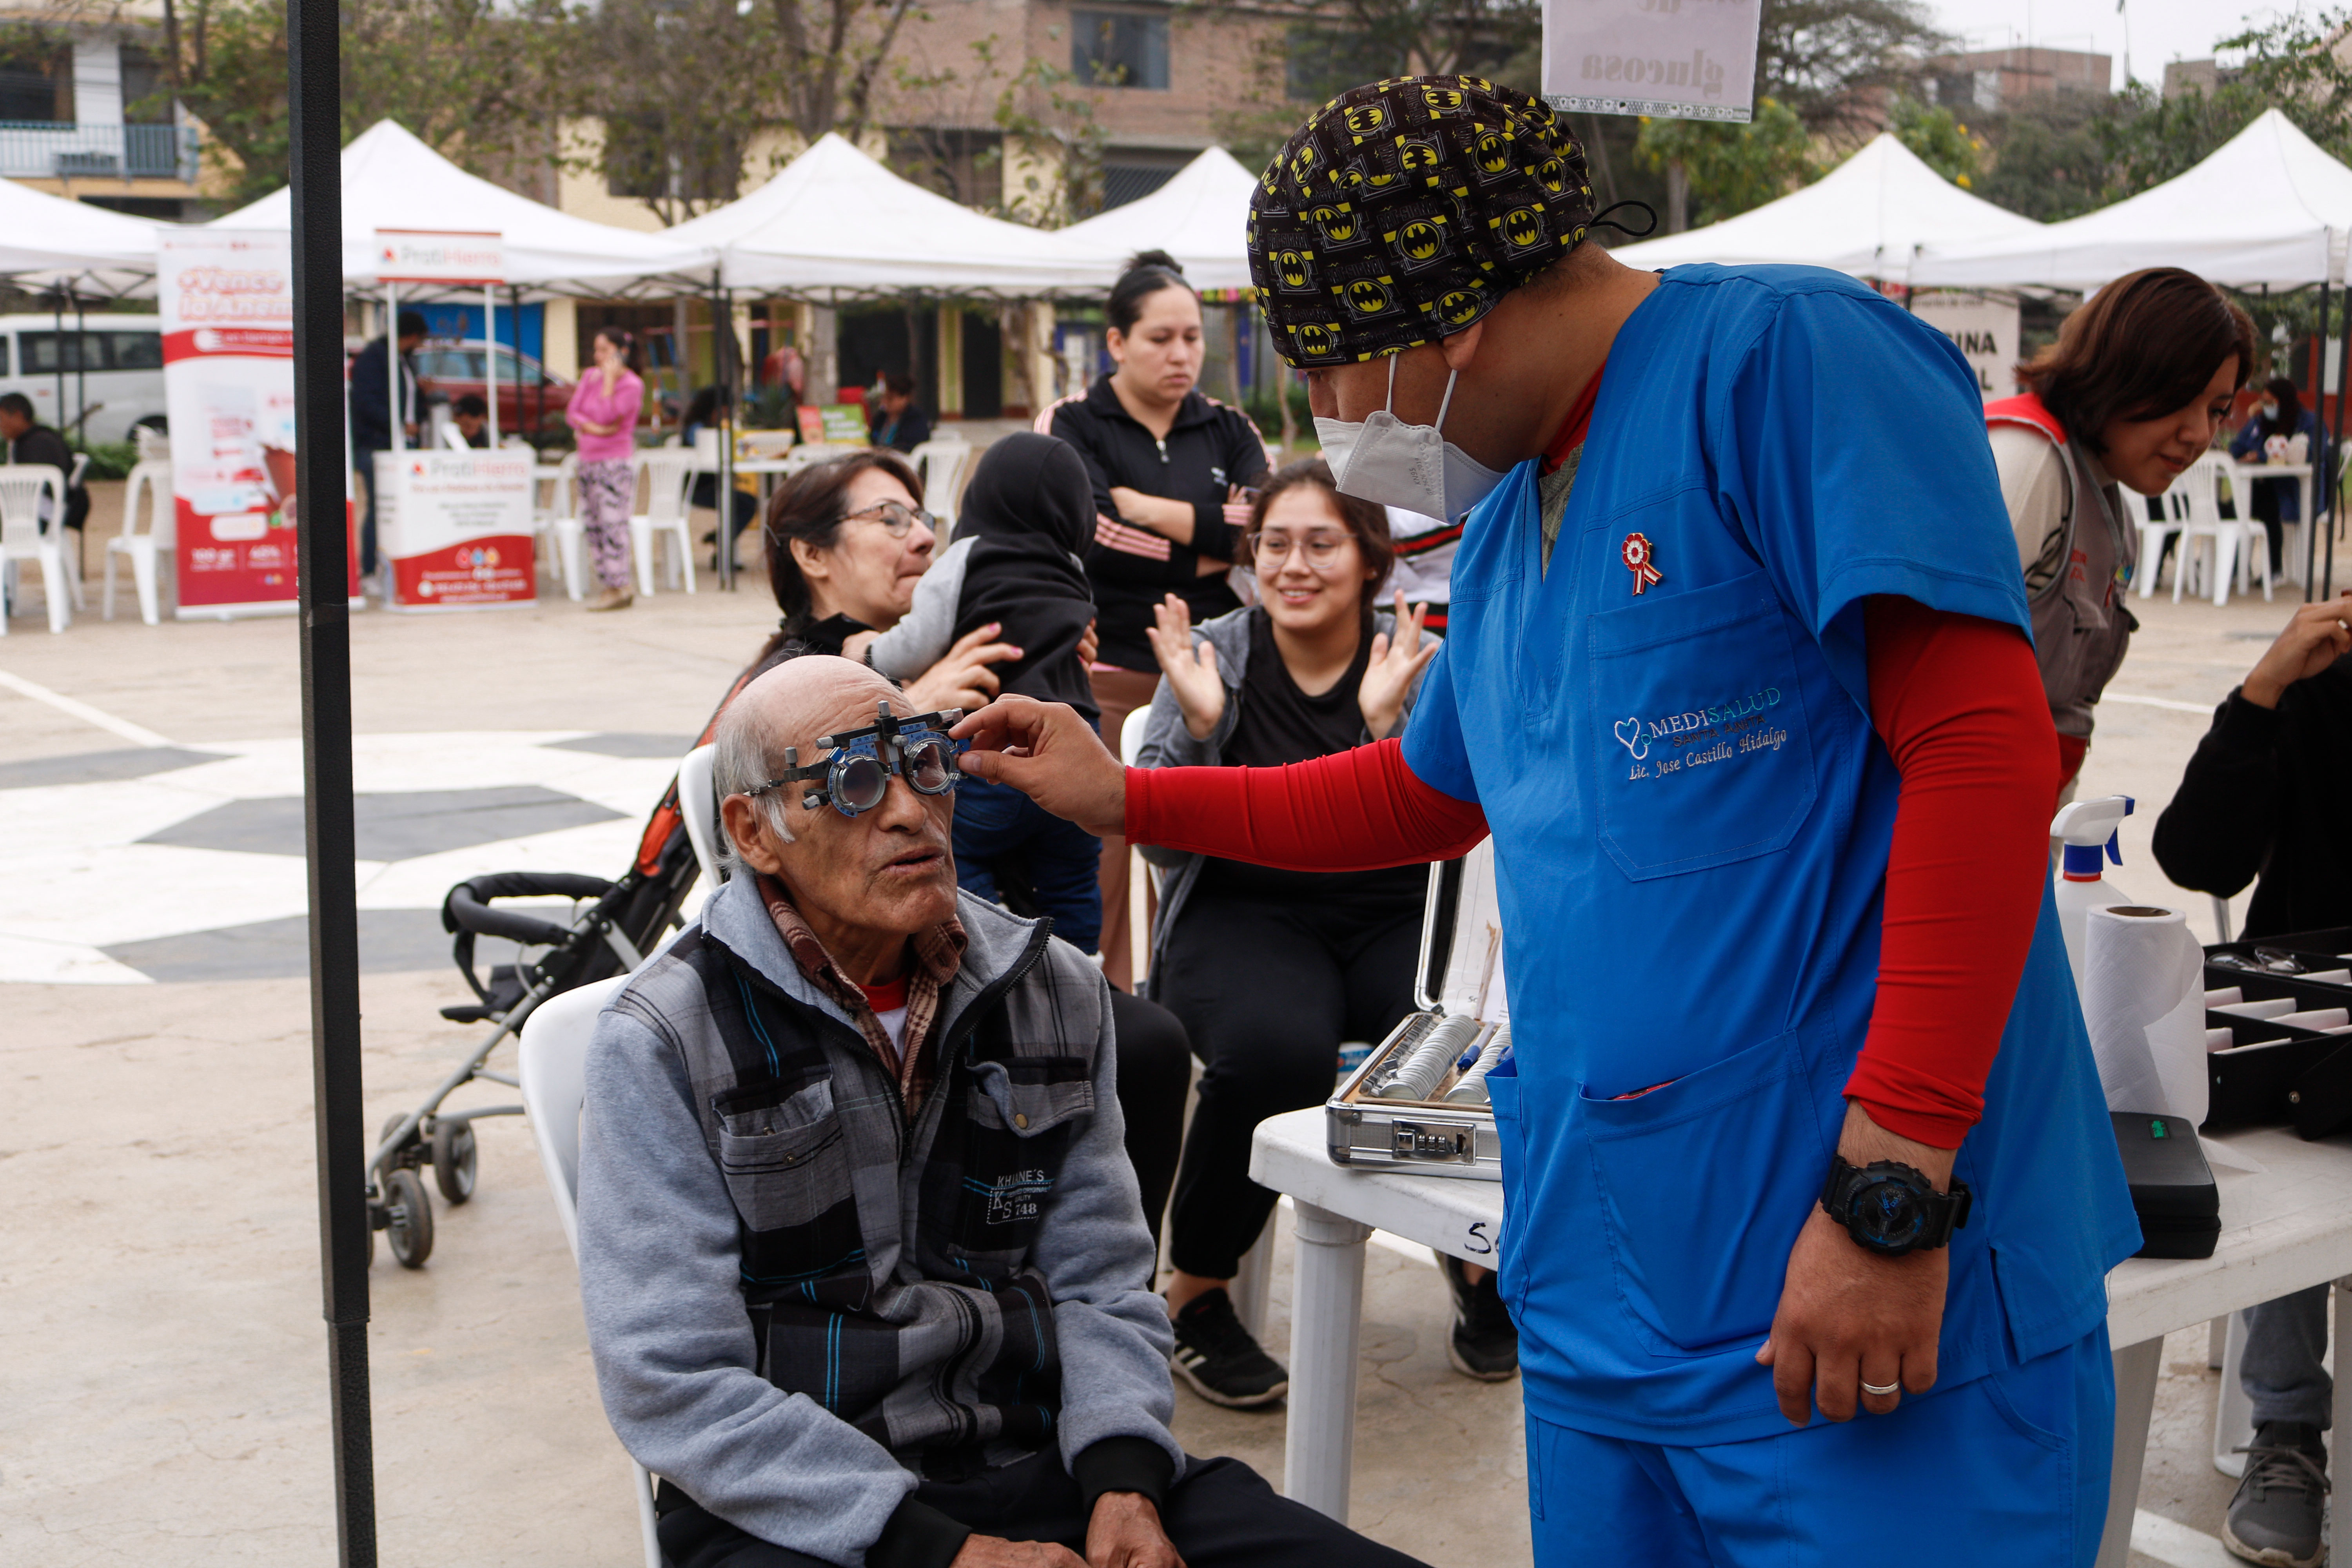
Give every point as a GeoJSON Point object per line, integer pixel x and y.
{"type": "Point", "coordinates": [881, 743]}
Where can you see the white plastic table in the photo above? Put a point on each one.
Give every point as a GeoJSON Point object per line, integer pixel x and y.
{"type": "Point", "coordinates": [2242, 477]}
{"type": "Point", "coordinates": [2284, 1230]}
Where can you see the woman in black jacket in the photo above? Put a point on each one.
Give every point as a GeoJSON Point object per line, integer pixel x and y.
{"type": "Point", "coordinates": [1168, 466]}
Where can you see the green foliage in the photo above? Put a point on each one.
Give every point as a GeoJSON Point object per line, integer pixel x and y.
{"type": "Point", "coordinates": [2048, 161]}
{"type": "Point", "coordinates": [1939, 141]}
{"type": "Point", "coordinates": [107, 459]}
{"type": "Point", "coordinates": [1731, 168]}
{"type": "Point", "coordinates": [1830, 61]}
{"type": "Point", "coordinates": [1265, 412]}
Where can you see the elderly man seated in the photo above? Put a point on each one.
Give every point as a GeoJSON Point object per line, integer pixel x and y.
{"type": "Point", "coordinates": [866, 1272]}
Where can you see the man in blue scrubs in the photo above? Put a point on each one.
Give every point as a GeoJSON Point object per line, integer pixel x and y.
{"type": "Point", "coordinates": [1699, 683]}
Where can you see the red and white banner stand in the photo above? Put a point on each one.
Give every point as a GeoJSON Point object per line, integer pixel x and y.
{"type": "Point", "coordinates": [228, 304]}
{"type": "Point", "coordinates": [454, 528]}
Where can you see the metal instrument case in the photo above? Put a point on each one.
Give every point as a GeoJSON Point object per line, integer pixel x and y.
{"type": "Point", "coordinates": [1461, 965]}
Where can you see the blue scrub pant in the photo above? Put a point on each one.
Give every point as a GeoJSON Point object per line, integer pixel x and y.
{"type": "Point", "coordinates": [2010, 1469]}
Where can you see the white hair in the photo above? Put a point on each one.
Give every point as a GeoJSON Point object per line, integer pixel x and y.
{"type": "Point", "coordinates": [740, 763]}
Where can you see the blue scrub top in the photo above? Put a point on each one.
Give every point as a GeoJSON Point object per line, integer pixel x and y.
{"type": "Point", "coordinates": [1691, 816]}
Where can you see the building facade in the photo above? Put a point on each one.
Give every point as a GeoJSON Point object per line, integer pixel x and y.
{"type": "Point", "coordinates": [85, 113]}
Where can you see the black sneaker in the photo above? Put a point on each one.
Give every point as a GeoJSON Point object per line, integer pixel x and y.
{"type": "Point", "coordinates": [1220, 1360]}
{"type": "Point", "coordinates": [2277, 1516]}
{"type": "Point", "coordinates": [1484, 1344]}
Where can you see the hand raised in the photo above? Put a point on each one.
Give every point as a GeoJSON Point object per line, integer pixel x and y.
{"type": "Point", "coordinates": [1192, 671]}
{"type": "Point", "coordinates": [2317, 637]}
{"type": "Point", "coordinates": [1394, 664]}
{"type": "Point", "coordinates": [1049, 753]}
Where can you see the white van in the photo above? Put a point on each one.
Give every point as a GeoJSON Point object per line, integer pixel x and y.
{"type": "Point", "coordinates": [108, 377]}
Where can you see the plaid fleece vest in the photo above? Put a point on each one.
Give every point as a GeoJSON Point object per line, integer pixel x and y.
{"type": "Point", "coordinates": [939, 1344]}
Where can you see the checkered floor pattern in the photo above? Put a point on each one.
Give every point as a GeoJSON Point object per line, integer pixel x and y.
{"type": "Point", "coordinates": [173, 863]}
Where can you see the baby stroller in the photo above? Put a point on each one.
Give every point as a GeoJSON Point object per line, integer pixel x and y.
{"type": "Point", "coordinates": [621, 922]}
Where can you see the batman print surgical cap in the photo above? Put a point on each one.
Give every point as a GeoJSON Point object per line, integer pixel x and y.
{"type": "Point", "coordinates": [1405, 210]}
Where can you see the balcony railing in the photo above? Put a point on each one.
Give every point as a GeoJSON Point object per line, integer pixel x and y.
{"type": "Point", "coordinates": [35, 151]}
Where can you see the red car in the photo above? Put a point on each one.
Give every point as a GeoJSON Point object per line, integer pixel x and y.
{"type": "Point", "coordinates": [529, 397]}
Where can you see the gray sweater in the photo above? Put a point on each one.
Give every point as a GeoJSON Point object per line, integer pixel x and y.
{"type": "Point", "coordinates": [1167, 743]}
{"type": "Point", "coordinates": [661, 1263]}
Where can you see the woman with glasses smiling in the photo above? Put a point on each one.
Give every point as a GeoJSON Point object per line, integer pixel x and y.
{"type": "Point", "coordinates": [1271, 970]}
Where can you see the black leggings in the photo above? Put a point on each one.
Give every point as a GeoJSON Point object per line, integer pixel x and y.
{"type": "Point", "coordinates": [1155, 1068]}
{"type": "Point", "coordinates": [1268, 989]}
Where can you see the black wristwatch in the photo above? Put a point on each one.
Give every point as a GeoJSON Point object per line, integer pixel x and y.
{"type": "Point", "coordinates": [1891, 1208]}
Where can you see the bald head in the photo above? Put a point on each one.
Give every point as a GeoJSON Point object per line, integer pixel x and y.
{"type": "Point", "coordinates": [793, 705]}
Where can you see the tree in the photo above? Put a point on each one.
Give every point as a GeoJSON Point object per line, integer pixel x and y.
{"type": "Point", "coordinates": [1938, 140]}
{"type": "Point", "coordinates": [829, 56]}
{"type": "Point", "coordinates": [477, 79]}
{"type": "Point", "coordinates": [678, 109]}
{"type": "Point", "coordinates": [1831, 61]}
{"type": "Point", "coordinates": [2047, 159]}
{"type": "Point", "coordinates": [1732, 168]}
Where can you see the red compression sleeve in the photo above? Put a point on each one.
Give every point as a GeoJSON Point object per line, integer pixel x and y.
{"type": "Point", "coordinates": [1959, 704]}
{"type": "Point", "coordinates": [1352, 811]}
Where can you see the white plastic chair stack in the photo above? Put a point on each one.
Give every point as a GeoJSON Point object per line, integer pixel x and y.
{"type": "Point", "coordinates": [697, 802]}
{"type": "Point", "coordinates": [23, 490]}
{"type": "Point", "coordinates": [562, 550]}
{"type": "Point", "coordinates": [939, 463]}
{"type": "Point", "coordinates": [2228, 535]}
{"type": "Point", "coordinates": [664, 477]}
{"type": "Point", "coordinates": [154, 447]}
{"type": "Point", "coordinates": [146, 548]}
{"type": "Point", "coordinates": [554, 1073]}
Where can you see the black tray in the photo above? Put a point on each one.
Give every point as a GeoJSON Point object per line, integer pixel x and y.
{"type": "Point", "coordinates": [2259, 1080]}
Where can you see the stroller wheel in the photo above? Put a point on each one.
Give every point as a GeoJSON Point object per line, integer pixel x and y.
{"type": "Point", "coordinates": [410, 1215]}
{"type": "Point", "coordinates": [454, 1159]}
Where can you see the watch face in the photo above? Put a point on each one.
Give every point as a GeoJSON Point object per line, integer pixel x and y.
{"type": "Point", "coordinates": [1889, 1212]}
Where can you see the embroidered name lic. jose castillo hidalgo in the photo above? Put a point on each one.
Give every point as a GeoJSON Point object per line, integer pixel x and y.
{"type": "Point", "coordinates": [1636, 733]}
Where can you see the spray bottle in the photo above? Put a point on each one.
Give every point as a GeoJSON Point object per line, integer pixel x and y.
{"type": "Point", "coordinates": [2088, 829]}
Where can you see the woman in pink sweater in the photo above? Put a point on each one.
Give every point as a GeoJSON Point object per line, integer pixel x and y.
{"type": "Point", "coordinates": [605, 408]}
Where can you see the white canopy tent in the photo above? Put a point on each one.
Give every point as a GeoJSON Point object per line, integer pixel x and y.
{"type": "Point", "coordinates": [1199, 217]}
{"type": "Point", "coordinates": [835, 224]}
{"type": "Point", "coordinates": [2266, 207]}
{"type": "Point", "coordinates": [49, 242]}
{"type": "Point", "coordinates": [1870, 218]}
{"type": "Point", "coordinates": [392, 180]}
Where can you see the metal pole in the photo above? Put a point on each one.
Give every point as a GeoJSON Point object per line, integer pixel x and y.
{"type": "Point", "coordinates": [81, 371]}
{"type": "Point", "coordinates": [322, 580]}
{"type": "Point", "coordinates": [2319, 488]}
{"type": "Point", "coordinates": [722, 352]}
{"type": "Point", "coordinates": [58, 337]}
{"type": "Point", "coordinates": [391, 351]}
{"type": "Point", "coordinates": [490, 355]}
{"type": "Point", "coordinates": [2328, 464]}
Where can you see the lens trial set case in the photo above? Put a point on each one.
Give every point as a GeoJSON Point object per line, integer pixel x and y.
{"type": "Point", "coordinates": [1458, 987]}
{"type": "Point", "coordinates": [2287, 1005]}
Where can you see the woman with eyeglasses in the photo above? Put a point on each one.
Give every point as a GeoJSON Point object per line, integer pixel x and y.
{"type": "Point", "coordinates": [1268, 970]}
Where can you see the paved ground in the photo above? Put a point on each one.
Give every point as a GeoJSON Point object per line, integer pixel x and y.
{"type": "Point", "coordinates": [161, 1396]}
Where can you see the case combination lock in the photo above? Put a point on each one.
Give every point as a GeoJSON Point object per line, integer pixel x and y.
{"type": "Point", "coordinates": [1417, 1141]}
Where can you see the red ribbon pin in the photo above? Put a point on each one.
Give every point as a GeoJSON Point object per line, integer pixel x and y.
{"type": "Point", "coordinates": [1640, 556]}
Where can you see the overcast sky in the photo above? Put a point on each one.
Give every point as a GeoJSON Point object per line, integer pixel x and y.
{"type": "Point", "coordinates": [2160, 30]}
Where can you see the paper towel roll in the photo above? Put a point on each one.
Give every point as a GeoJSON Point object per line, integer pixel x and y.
{"type": "Point", "coordinates": [2144, 1002]}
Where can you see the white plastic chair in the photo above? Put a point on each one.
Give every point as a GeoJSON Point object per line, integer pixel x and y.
{"type": "Point", "coordinates": [145, 548]}
{"type": "Point", "coordinates": [2202, 486]}
{"type": "Point", "coordinates": [23, 488]}
{"type": "Point", "coordinates": [564, 548]}
{"type": "Point", "coordinates": [154, 445]}
{"type": "Point", "coordinates": [939, 463]}
{"type": "Point", "coordinates": [2153, 534]}
{"type": "Point", "coordinates": [665, 476]}
{"type": "Point", "coordinates": [697, 802]}
{"type": "Point", "coordinates": [554, 1074]}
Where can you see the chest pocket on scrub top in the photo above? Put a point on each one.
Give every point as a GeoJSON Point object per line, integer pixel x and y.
{"type": "Point", "coordinates": [1704, 753]}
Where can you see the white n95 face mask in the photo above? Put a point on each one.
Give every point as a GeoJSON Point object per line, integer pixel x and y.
{"type": "Point", "coordinates": [1386, 460]}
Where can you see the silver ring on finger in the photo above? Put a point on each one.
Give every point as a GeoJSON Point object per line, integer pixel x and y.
{"type": "Point", "coordinates": [1882, 1393]}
